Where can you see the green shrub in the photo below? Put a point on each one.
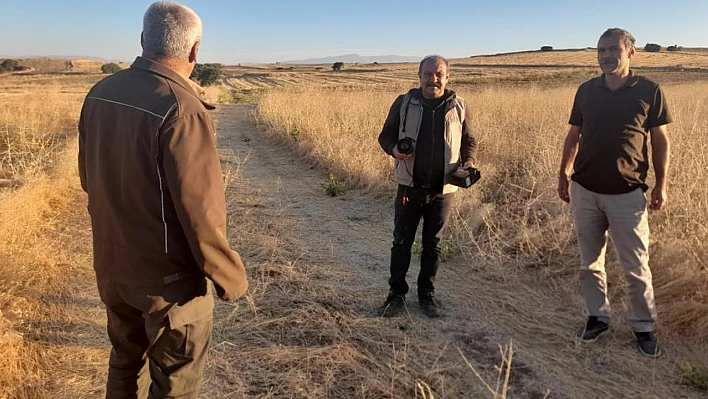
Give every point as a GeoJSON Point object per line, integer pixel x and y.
{"type": "Point", "coordinates": [334, 187]}
{"type": "Point", "coordinates": [110, 68]}
{"type": "Point", "coordinates": [9, 65]}
{"type": "Point", "coordinates": [652, 47]}
{"type": "Point", "coordinates": [337, 66]}
{"type": "Point", "coordinates": [206, 74]}
{"type": "Point", "coordinates": [697, 377]}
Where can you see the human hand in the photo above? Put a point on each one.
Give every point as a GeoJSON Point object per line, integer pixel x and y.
{"type": "Point", "coordinates": [563, 189]}
{"type": "Point", "coordinates": [657, 199]}
{"type": "Point", "coordinates": [402, 157]}
{"type": "Point", "coordinates": [468, 164]}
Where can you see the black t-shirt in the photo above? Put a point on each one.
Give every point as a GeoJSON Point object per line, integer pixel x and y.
{"type": "Point", "coordinates": [612, 157]}
{"type": "Point", "coordinates": [429, 168]}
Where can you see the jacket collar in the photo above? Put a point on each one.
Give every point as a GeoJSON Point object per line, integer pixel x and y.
{"type": "Point", "coordinates": [417, 93]}
{"type": "Point", "coordinates": [156, 68]}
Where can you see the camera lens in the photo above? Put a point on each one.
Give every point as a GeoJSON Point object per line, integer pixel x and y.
{"type": "Point", "coordinates": [405, 145]}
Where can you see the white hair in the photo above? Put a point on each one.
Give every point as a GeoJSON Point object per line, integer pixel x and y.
{"type": "Point", "coordinates": [170, 30]}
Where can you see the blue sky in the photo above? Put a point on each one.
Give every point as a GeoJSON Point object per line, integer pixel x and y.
{"type": "Point", "coordinates": [278, 30]}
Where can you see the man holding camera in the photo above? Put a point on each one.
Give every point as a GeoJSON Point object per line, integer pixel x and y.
{"type": "Point", "coordinates": [614, 117]}
{"type": "Point", "coordinates": [428, 132]}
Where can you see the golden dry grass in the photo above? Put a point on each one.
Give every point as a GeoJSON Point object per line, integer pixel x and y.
{"type": "Point", "coordinates": [34, 267]}
{"type": "Point", "coordinates": [37, 165]}
{"type": "Point", "coordinates": [37, 114]}
{"type": "Point", "coordinates": [334, 127]}
{"type": "Point", "coordinates": [514, 215]}
{"type": "Point", "coordinates": [511, 227]}
{"type": "Point", "coordinates": [513, 222]}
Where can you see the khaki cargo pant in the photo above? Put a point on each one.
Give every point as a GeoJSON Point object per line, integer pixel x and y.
{"type": "Point", "coordinates": [625, 216]}
{"type": "Point", "coordinates": [160, 337]}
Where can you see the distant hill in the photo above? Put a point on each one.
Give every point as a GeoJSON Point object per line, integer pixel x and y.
{"type": "Point", "coordinates": [572, 50]}
{"type": "Point", "coordinates": [356, 58]}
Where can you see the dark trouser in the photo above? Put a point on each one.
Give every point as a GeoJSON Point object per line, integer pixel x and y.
{"type": "Point", "coordinates": [160, 338]}
{"type": "Point", "coordinates": [411, 205]}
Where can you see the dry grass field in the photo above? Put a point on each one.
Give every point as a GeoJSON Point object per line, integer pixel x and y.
{"type": "Point", "coordinates": [305, 330]}
{"type": "Point", "coordinates": [523, 67]}
{"type": "Point", "coordinates": [38, 115]}
{"type": "Point", "coordinates": [513, 216]}
{"type": "Point", "coordinates": [512, 221]}
{"type": "Point", "coordinates": [63, 66]}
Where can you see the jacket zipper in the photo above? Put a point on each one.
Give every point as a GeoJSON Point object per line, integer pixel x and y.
{"type": "Point", "coordinates": [432, 153]}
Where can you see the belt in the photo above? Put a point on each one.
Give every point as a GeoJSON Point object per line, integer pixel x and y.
{"type": "Point", "coordinates": [179, 276]}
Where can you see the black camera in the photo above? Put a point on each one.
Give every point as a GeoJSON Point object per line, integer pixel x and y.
{"type": "Point", "coordinates": [464, 177]}
{"type": "Point", "coordinates": [406, 145]}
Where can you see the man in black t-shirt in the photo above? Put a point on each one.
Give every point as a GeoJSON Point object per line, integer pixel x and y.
{"type": "Point", "coordinates": [428, 132]}
{"type": "Point", "coordinates": [614, 117]}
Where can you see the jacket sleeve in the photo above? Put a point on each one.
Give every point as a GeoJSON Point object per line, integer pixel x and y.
{"type": "Point", "coordinates": [193, 177]}
{"type": "Point", "coordinates": [389, 134]}
{"type": "Point", "coordinates": [468, 150]}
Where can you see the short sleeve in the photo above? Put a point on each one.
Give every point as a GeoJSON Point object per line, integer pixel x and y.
{"type": "Point", "coordinates": [576, 114]}
{"type": "Point", "coordinates": [659, 113]}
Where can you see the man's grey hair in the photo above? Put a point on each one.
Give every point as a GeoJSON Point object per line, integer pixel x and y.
{"type": "Point", "coordinates": [627, 37]}
{"type": "Point", "coordinates": [170, 30]}
{"type": "Point", "coordinates": [433, 59]}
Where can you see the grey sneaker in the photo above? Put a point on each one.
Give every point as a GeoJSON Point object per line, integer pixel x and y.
{"type": "Point", "coordinates": [647, 344]}
{"type": "Point", "coordinates": [394, 303]}
{"type": "Point", "coordinates": [428, 304]}
{"type": "Point", "coordinates": [593, 329]}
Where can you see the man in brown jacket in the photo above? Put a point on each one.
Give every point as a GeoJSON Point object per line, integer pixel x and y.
{"type": "Point", "coordinates": [148, 161]}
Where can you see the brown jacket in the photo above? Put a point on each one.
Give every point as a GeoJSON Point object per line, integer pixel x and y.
{"type": "Point", "coordinates": [148, 161]}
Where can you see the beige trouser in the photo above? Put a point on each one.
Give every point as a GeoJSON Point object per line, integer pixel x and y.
{"type": "Point", "coordinates": [625, 216]}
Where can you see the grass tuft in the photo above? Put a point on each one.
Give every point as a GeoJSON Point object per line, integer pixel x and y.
{"type": "Point", "coordinates": [334, 187]}
{"type": "Point", "coordinates": [697, 377]}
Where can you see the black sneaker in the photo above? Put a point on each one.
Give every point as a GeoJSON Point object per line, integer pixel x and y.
{"type": "Point", "coordinates": [592, 330]}
{"type": "Point", "coordinates": [647, 344]}
{"type": "Point", "coordinates": [428, 304]}
{"type": "Point", "coordinates": [394, 303]}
